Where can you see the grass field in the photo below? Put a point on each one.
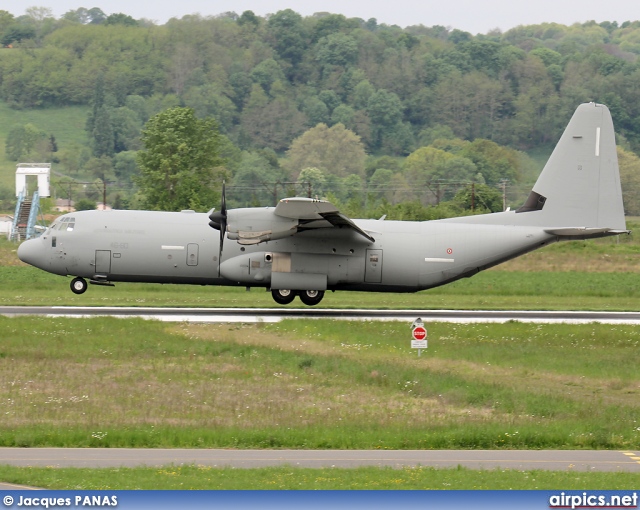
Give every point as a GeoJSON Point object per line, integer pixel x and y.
{"type": "Point", "coordinates": [286, 478]}
{"type": "Point", "coordinates": [317, 384]}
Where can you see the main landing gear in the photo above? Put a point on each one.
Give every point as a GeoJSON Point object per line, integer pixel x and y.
{"type": "Point", "coordinates": [283, 296]}
{"type": "Point", "coordinates": [311, 297]}
{"type": "Point", "coordinates": [78, 285]}
{"type": "Point", "coordinates": [308, 297]}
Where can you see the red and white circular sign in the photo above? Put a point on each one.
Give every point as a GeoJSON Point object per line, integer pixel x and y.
{"type": "Point", "coordinates": [419, 333]}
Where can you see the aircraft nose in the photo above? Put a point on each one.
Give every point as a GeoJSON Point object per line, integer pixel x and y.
{"type": "Point", "coordinates": [30, 251]}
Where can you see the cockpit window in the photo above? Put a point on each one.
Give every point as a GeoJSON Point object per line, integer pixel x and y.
{"type": "Point", "coordinates": [64, 224]}
{"type": "Point", "coordinates": [68, 223]}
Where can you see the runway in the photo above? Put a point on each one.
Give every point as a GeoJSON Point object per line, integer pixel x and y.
{"type": "Point", "coordinates": [555, 460]}
{"type": "Point", "coordinates": [248, 315]}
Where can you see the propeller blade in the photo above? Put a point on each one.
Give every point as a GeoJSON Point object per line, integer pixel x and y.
{"type": "Point", "coordinates": [223, 230]}
{"type": "Point", "coordinates": [223, 207]}
{"type": "Point", "coordinates": [223, 218]}
{"type": "Point", "coordinates": [219, 222]}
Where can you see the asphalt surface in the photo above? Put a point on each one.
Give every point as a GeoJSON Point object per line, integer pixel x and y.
{"type": "Point", "coordinates": [277, 314]}
{"type": "Point", "coordinates": [557, 460]}
{"type": "Point", "coordinates": [15, 487]}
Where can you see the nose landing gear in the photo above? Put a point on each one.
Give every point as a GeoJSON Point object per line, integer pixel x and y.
{"type": "Point", "coordinates": [78, 285]}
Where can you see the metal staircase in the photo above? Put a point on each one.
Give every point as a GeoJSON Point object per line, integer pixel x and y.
{"type": "Point", "coordinates": [26, 214]}
{"type": "Point", "coordinates": [28, 207]}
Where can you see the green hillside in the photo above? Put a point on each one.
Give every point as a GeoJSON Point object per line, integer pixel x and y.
{"type": "Point", "coordinates": [360, 112]}
{"type": "Point", "coordinates": [65, 123]}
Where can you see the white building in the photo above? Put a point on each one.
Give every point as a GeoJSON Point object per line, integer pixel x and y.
{"type": "Point", "coordinates": [6, 223]}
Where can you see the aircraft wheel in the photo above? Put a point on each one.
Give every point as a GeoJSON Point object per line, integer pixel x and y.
{"type": "Point", "coordinates": [78, 285]}
{"type": "Point", "coordinates": [283, 296]}
{"type": "Point", "coordinates": [311, 297]}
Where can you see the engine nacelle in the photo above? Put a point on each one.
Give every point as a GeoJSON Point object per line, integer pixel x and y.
{"type": "Point", "coordinates": [254, 226]}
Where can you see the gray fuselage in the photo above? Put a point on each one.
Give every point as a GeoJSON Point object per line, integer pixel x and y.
{"type": "Point", "coordinates": [165, 247]}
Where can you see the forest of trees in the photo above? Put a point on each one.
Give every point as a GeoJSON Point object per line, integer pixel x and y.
{"type": "Point", "coordinates": [365, 113]}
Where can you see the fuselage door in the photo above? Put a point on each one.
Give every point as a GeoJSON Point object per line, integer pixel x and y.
{"type": "Point", "coordinates": [103, 261]}
{"type": "Point", "coordinates": [192, 254]}
{"type": "Point", "coordinates": [373, 267]}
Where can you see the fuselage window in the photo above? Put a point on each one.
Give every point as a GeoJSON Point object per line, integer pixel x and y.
{"type": "Point", "coordinates": [53, 242]}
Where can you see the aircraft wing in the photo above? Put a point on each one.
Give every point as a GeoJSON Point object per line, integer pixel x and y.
{"type": "Point", "coordinates": [313, 213]}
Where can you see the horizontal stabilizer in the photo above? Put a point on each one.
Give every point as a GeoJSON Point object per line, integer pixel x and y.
{"type": "Point", "coordinates": [584, 232]}
{"type": "Point", "coordinates": [575, 231]}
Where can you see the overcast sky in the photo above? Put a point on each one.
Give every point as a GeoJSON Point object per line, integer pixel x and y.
{"type": "Point", "coordinates": [475, 16]}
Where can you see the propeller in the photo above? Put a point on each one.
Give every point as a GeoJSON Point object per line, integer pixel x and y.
{"type": "Point", "coordinates": [219, 222]}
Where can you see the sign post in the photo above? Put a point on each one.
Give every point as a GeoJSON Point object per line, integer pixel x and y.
{"type": "Point", "coordinates": [419, 334]}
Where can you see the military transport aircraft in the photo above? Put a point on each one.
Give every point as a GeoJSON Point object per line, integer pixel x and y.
{"type": "Point", "coordinates": [304, 247]}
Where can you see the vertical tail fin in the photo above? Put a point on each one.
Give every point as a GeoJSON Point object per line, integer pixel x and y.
{"type": "Point", "coordinates": [579, 186]}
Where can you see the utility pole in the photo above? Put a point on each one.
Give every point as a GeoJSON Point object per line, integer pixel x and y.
{"type": "Point", "coordinates": [473, 196]}
{"type": "Point", "coordinates": [69, 196]}
{"type": "Point", "coordinates": [503, 185]}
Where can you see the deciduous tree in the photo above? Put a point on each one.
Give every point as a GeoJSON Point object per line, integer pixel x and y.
{"type": "Point", "coordinates": [334, 150]}
{"type": "Point", "coordinates": [630, 179]}
{"type": "Point", "coordinates": [22, 140]}
{"type": "Point", "coordinates": [180, 166]}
